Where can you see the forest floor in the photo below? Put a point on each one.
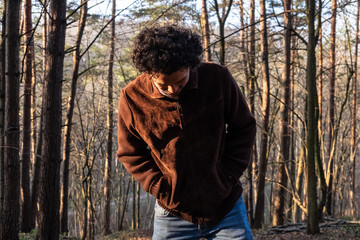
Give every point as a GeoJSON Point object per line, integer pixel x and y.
{"type": "Point", "coordinates": [338, 231]}
{"type": "Point", "coordinates": [343, 232]}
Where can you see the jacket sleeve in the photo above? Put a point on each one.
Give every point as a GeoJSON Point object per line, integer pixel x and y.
{"type": "Point", "coordinates": [241, 129]}
{"type": "Point", "coordinates": [133, 152]}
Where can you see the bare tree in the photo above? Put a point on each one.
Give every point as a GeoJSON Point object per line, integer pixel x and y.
{"type": "Point", "coordinates": [2, 113]}
{"type": "Point", "coordinates": [10, 216]}
{"type": "Point", "coordinates": [260, 201]}
{"type": "Point", "coordinates": [244, 50]}
{"type": "Point", "coordinates": [331, 159]}
{"type": "Point", "coordinates": [320, 76]}
{"type": "Point", "coordinates": [51, 148]}
{"type": "Point", "coordinates": [353, 119]}
{"type": "Point", "coordinates": [110, 130]}
{"type": "Point", "coordinates": [280, 198]}
{"type": "Point", "coordinates": [205, 30]}
{"type": "Point", "coordinates": [69, 116]}
{"type": "Point", "coordinates": [250, 85]}
{"type": "Point", "coordinates": [313, 220]}
{"type": "Point", "coordinates": [38, 150]}
{"type": "Point", "coordinates": [25, 163]}
{"type": "Point", "coordinates": [226, 7]}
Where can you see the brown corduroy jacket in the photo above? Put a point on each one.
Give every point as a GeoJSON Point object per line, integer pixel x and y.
{"type": "Point", "coordinates": [188, 153]}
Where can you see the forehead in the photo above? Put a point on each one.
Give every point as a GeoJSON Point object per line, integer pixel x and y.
{"type": "Point", "coordinates": [174, 77]}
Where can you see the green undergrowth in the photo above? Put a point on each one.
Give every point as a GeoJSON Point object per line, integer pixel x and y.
{"type": "Point", "coordinates": [128, 235]}
{"type": "Point", "coordinates": [32, 236]}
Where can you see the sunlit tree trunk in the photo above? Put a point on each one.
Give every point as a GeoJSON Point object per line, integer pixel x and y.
{"type": "Point", "coordinates": [319, 156]}
{"type": "Point", "coordinates": [68, 121]}
{"type": "Point", "coordinates": [320, 79]}
{"type": "Point", "coordinates": [280, 198]}
{"type": "Point", "coordinates": [25, 163]}
{"type": "Point", "coordinates": [9, 228]}
{"type": "Point", "coordinates": [353, 205]}
{"type": "Point", "coordinates": [331, 157]}
{"type": "Point", "coordinates": [205, 30]}
{"type": "Point", "coordinates": [49, 191]}
{"type": "Point", "coordinates": [244, 50]}
{"type": "Point", "coordinates": [292, 126]}
{"type": "Point", "coordinates": [110, 129]}
{"type": "Point", "coordinates": [313, 220]}
{"type": "Point", "coordinates": [38, 150]}
{"type": "Point", "coordinates": [299, 181]}
{"type": "Point", "coordinates": [248, 195]}
{"type": "Point", "coordinates": [260, 202]}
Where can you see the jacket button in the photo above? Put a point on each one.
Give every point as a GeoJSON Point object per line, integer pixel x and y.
{"type": "Point", "coordinates": [230, 177]}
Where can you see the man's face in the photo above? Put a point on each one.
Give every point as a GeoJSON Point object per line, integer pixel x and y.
{"type": "Point", "coordinates": [170, 85]}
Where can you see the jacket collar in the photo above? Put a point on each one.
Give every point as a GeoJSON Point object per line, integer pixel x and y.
{"type": "Point", "coordinates": [193, 83]}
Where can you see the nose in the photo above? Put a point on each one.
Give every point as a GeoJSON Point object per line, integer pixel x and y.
{"type": "Point", "coordinates": [173, 89]}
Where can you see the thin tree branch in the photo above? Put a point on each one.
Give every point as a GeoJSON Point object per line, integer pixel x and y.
{"type": "Point", "coordinates": [100, 32]}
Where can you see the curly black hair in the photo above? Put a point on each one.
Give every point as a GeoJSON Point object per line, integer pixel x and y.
{"type": "Point", "coordinates": [166, 49]}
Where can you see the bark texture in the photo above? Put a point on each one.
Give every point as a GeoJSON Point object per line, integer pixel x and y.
{"type": "Point", "coordinates": [38, 150]}
{"type": "Point", "coordinates": [68, 121]}
{"type": "Point", "coordinates": [353, 120]}
{"type": "Point", "coordinates": [10, 216]}
{"type": "Point", "coordinates": [25, 163]}
{"type": "Point", "coordinates": [51, 148]}
{"type": "Point", "coordinates": [260, 202]}
{"type": "Point", "coordinates": [280, 198]}
{"type": "Point", "coordinates": [110, 130]}
{"type": "Point", "coordinates": [205, 30]}
{"type": "Point", "coordinates": [313, 220]}
{"type": "Point", "coordinates": [2, 113]}
{"type": "Point", "coordinates": [331, 123]}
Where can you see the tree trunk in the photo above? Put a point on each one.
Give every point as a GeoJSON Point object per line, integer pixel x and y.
{"type": "Point", "coordinates": [110, 129]}
{"type": "Point", "coordinates": [260, 202]}
{"type": "Point", "coordinates": [284, 123]}
{"type": "Point", "coordinates": [51, 149]}
{"type": "Point", "coordinates": [331, 109]}
{"type": "Point", "coordinates": [36, 177]}
{"type": "Point", "coordinates": [68, 121]}
{"type": "Point", "coordinates": [133, 220]}
{"type": "Point", "coordinates": [244, 50]}
{"type": "Point", "coordinates": [120, 183]}
{"type": "Point", "coordinates": [10, 216]}
{"type": "Point", "coordinates": [222, 20]}
{"type": "Point", "coordinates": [248, 195]}
{"type": "Point", "coordinates": [138, 205]}
{"type": "Point", "coordinates": [205, 31]}
{"type": "Point", "coordinates": [2, 114]}
{"type": "Point", "coordinates": [38, 160]}
{"type": "Point", "coordinates": [299, 182]}
{"type": "Point", "coordinates": [320, 80]}
{"type": "Point", "coordinates": [25, 163]}
{"type": "Point", "coordinates": [353, 122]}
{"type": "Point", "coordinates": [313, 220]}
{"type": "Point", "coordinates": [292, 157]}
{"type": "Point", "coordinates": [125, 204]}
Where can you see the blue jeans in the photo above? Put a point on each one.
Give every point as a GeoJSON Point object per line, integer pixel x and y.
{"type": "Point", "coordinates": [234, 225]}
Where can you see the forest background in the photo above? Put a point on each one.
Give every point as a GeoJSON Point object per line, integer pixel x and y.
{"type": "Point", "coordinates": [63, 64]}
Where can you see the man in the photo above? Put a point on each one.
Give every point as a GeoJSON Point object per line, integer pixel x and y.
{"type": "Point", "coordinates": [185, 133]}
